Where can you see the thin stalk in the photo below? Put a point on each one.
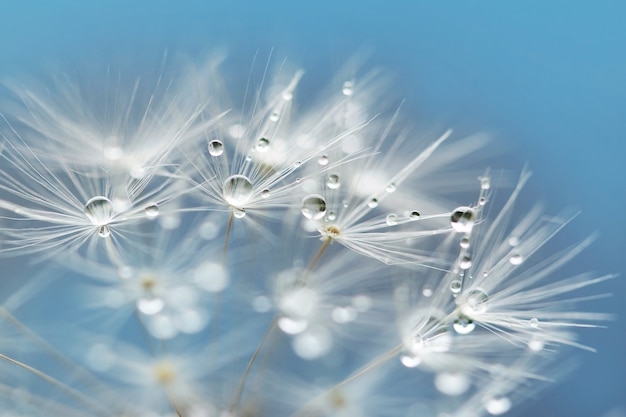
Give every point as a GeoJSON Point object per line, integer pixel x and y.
{"type": "Point", "coordinates": [227, 237]}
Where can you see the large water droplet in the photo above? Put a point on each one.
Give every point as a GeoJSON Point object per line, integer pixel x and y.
{"type": "Point", "coordinates": [152, 211]}
{"type": "Point", "coordinates": [333, 182]}
{"type": "Point", "coordinates": [462, 219]}
{"type": "Point", "coordinates": [216, 148]}
{"type": "Point", "coordinates": [314, 207]}
{"type": "Point", "coordinates": [477, 300]}
{"type": "Point", "coordinates": [262, 145]}
{"type": "Point", "coordinates": [463, 325]}
{"type": "Point", "coordinates": [99, 210]}
{"type": "Point", "coordinates": [391, 220]}
{"type": "Point", "coordinates": [237, 190]}
{"type": "Point", "coordinates": [414, 215]}
{"type": "Point", "coordinates": [455, 286]}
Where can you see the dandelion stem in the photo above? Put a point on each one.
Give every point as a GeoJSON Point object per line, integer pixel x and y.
{"type": "Point", "coordinates": [319, 254]}
{"type": "Point", "coordinates": [227, 237]}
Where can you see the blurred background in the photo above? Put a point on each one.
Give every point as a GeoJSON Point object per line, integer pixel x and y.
{"type": "Point", "coordinates": [546, 79]}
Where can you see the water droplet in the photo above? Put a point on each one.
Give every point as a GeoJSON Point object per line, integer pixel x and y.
{"type": "Point", "coordinates": [297, 164]}
{"type": "Point", "coordinates": [463, 325]}
{"type": "Point", "coordinates": [287, 95]}
{"type": "Point", "coordinates": [477, 300]}
{"type": "Point", "coordinates": [152, 211]}
{"type": "Point", "coordinates": [452, 383]}
{"type": "Point", "coordinates": [265, 193]}
{"type": "Point", "coordinates": [238, 213]}
{"type": "Point", "coordinates": [262, 145]}
{"type": "Point", "coordinates": [462, 219]}
{"type": "Point", "coordinates": [485, 184]}
{"type": "Point", "coordinates": [427, 292]}
{"type": "Point", "coordinates": [392, 219]}
{"type": "Point", "coordinates": [465, 242]}
{"type": "Point", "coordinates": [237, 190]}
{"type": "Point", "coordinates": [150, 305]}
{"type": "Point", "coordinates": [516, 259]}
{"type": "Point", "coordinates": [534, 322]}
{"type": "Point", "coordinates": [314, 207]}
{"type": "Point", "coordinates": [536, 344]}
{"type": "Point", "coordinates": [99, 210]}
{"type": "Point", "coordinates": [333, 182]}
{"type": "Point", "coordinates": [332, 216]}
{"type": "Point", "coordinates": [390, 188]}
{"type": "Point", "coordinates": [323, 160]}
{"type": "Point", "coordinates": [410, 361]}
{"type": "Point", "coordinates": [292, 325]}
{"type": "Point", "coordinates": [497, 405]}
{"type": "Point", "coordinates": [216, 148]}
{"type": "Point", "coordinates": [248, 158]}
{"type": "Point", "coordinates": [348, 88]}
{"type": "Point", "coordinates": [372, 203]}
{"type": "Point", "coordinates": [465, 262]}
{"type": "Point", "coordinates": [513, 241]}
{"type": "Point", "coordinates": [104, 231]}
{"type": "Point", "coordinates": [274, 116]}
{"type": "Point", "coordinates": [455, 286]}
{"type": "Point", "coordinates": [414, 215]}
{"type": "Point", "coordinates": [482, 201]}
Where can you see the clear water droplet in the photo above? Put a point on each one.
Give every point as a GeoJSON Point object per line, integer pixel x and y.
{"type": "Point", "coordinates": [465, 262]}
{"type": "Point", "coordinates": [497, 405]}
{"type": "Point", "coordinates": [314, 207]}
{"type": "Point", "coordinates": [265, 193]}
{"type": "Point", "coordinates": [274, 116]}
{"type": "Point", "coordinates": [332, 216]}
{"type": "Point", "coordinates": [238, 213]}
{"type": "Point", "coordinates": [391, 187]}
{"type": "Point", "coordinates": [333, 182]}
{"type": "Point", "coordinates": [465, 242]}
{"type": "Point", "coordinates": [237, 190]}
{"type": "Point", "coordinates": [462, 219]}
{"type": "Point", "coordinates": [348, 88]}
{"type": "Point", "coordinates": [373, 203]}
{"type": "Point", "coordinates": [391, 220]}
{"type": "Point", "coordinates": [262, 145]}
{"type": "Point", "coordinates": [216, 148]}
{"type": "Point", "coordinates": [104, 231]}
{"type": "Point", "coordinates": [516, 259]}
{"type": "Point", "coordinates": [534, 322]}
{"type": "Point", "coordinates": [287, 95]}
{"type": "Point", "coordinates": [99, 210]}
{"type": "Point", "coordinates": [297, 164]}
{"type": "Point", "coordinates": [152, 211]}
{"type": "Point", "coordinates": [463, 325]}
{"type": "Point", "coordinates": [455, 286]}
{"type": "Point", "coordinates": [485, 183]}
{"type": "Point", "coordinates": [536, 344]}
{"type": "Point", "coordinates": [414, 215]}
{"type": "Point", "coordinates": [150, 305]}
{"type": "Point", "coordinates": [477, 300]}
{"type": "Point", "coordinates": [323, 160]}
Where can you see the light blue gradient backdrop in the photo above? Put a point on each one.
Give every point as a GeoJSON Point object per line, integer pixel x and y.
{"type": "Point", "coordinates": [545, 77]}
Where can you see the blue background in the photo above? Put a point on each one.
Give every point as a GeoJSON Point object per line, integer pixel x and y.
{"type": "Point", "coordinates": [548, 80]}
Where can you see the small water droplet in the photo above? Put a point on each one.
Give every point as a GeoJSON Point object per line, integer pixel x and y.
{"type": "Point", "coordinates": [455, 286]}
{"type": "Point", "coordinates": [287, 95]}
{"type": "Point", "coordinates": [465, 242]}
{"type": "Point", "coordinates": [463, 325]}
{"type": "Point", "coordinates": [477, 300]}
{"type": "Point", "coordinates": [248, 158]}
{"type": "Point", "coordinates": [516, 259]}
{"type": "Point", "coordinates": [427, 292]}
{"type": "Point", "coordinates": [216, 148]}
{"type": "Point", "coordinates": [152, 211]}
{"type": "Point", "coordinates": [332, 216]}
{"type": "Point", "coordinates": [348, 88]}
{"type": "Point", "coordinates": [372, 203]}
{"type": "Point", "coordinates": [104, 231]}
{"type": "Point", "coordinates": [465, 262]}
{"type": "Point", "coordinates": [482, 201]}
{"type": "Point", "coordinates": [323, 160]}
{"type": "Point", "coordinates": [414, 215]}
{"type": "Point", "coordinates": [237, 190]}
{"type": "Point", "coordinates": [485, 183]}
{"type": "Point", "coordinates": [497, 405]}
{"type": "Point", "coordinates": [314, 207]}
{"type": "Point", "coordinates": [265, 193]}
{"type": "Point", "coordinates": [392, 219]}
{"type": "Point", "coordinates": [238, 213]}
{"type": "Point", "coordinates": [333, 182]}
{"type": "Point", "coordinates": [462, 219]}
{"type": "Point", "coordinates": [150, 305]}
{"type": "Point", "coordinates": [297, 164]}
{"type": "Point", "coordinates": [262, 145]}
{"type": "Point", "coordinates": [534, 322]}
{"type": "Point", "coordinates": [274, 116]}
{"type": "Point", "coordinates": [391, 188]}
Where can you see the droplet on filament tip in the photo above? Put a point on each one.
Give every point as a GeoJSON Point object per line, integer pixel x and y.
{"type": "Point", "coordinates": [237, 191]}
{"type": "Point", "coordinates": [314, 207]}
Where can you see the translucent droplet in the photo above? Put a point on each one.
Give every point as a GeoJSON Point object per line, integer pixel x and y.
{"type": "Point", "coordinates": [292, 326]}
{"type": "Point", "coordinates": [274, 116]}
{"type": "Point", "coordinates": [238, 213]}
{"type": "Point", "coordinates": [477, 300]}
{"type": "Point", "coordinates": [427, 292]}
{"type": "Point", "coordinates": [485, 184]}
{"type": "Point", "coordinates": [534, 322]}
{"type": "Point", "coordinates": [99, 210]}
{"type": "Point", "coordinates": [391, 219]}
{"type": "Point", "coordinates": [262, 145]}
{"type": "Point", "coordinates": [265, 193]}
{"type": "Point", "coordinates": [482, 201]}
{"type": "Point", "coordinates": [414, 215]}
{"type": "Point", "coordinates": [216, 148]}
{"type": "Point", "coordinates": [237, 190]}
{"type": "Point", "coordinates": [465, 262]}
{"type": "Point", "coordinates": [391, 187]}
{"type": "Point", "coordinates": [497, 405]}
{"type": "Point", "coordinates": [150, 306]}
{"type": "Point", "coordinates": [452, 383]}
{"type": "Point", "coordinates": [516, 259]}
{"type": "Point", "coordinates": [463, 325]}
{"type": "Point", "coordinates": [287, 95]}
{"type": "Point", "coordinates": [348, 88]}
{"type": "Point", "coordinates": [314, 207]}
{"type": "Point", "coordinates": [372, 203]}
{"type": "Point", "coordinates": [323, 160]}
{"type": "Point", "coordinates": [410, 361]}
{"type": "Point", "coordinates": [104, 231]}
{"type": "Point", "coordinates": [536, 344]}
{"type": "Point", "coordinates": [465, 242]}
{"type": "Point", "coordinates": [332, 216]}
{"type": "Point", "coordinates": [462, 219]}
{"type": "Point", "coordinates": [513, 241]}
{"type": "Point", "coordinates": [455, 286]}
{"type": "Point", "coordinates": [333, 182]}
{"type": "Point", "coordinates": [152, 211]}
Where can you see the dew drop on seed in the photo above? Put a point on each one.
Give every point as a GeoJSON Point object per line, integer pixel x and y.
{"type": "Point", "coordinates": [534, 322]}
{"type": "Point", "coordinates": [465, 262]}
{"type": "Point", "coordinates": [238, 213]}
{"type": "Point", "coordinates": [477, 300]}
{"type": "Point", "coordinates": [463, 325]}
{"type": "Point", "coordinates": [465, 243]}
{"type": "Point", "coordinates": [455, 286]}
{"type": "Point", "coordinates": [516, 259]}
{"type": "Point", "coordinates": [99, 210]}
{"type": "Point", "coordinates": [104, 231]}
{"type": "Point", "coordinates": [314, 207]}
{"type": "Point", "coordinates": [452, 383]}
{"type": "Point", "coordinates": [332, 216]}
{"type": "Point", "coordinates": [237, 190]}
{"type": "Point", "coordinates": [414, 215]}
{"type": "Point", "coordinates": [333, 182]}
{"type": "Point", "coordinates": [216, 148]}
{"type": "Point", "coordinates": [482, 201]}
{"type": "Point", "coordinates": [287, 95]}
{"type": "Point", "coordinates": [410, 361]}
{"type": "Point", "coordinates": [348, 88]}
{"type": "Point", "coordinates": [373, 203]}
{"type": "Point", "coordinates": [497, 405]}
{"type": "Point", "coordinates": [274, 116]}
{"type": "Point", "coordinates": [152, 211]}
{"type": "Point", "coordinates": [150, 305]}
{"type": "Point", "coordinates": [323, 160]}
{"type": "Point", "coordinates": [391, 188]}
{"type": "Point", "coordinates": [485, 184]}
{"type": "Point", "coordinates": [262, 145]}
{"type": "Point", "coordinates": [297, 164]}
{"type": "Point", "coordinates": [248, 158]}
{"type": "Point", "coordinates": [265, 193]}
{"type": "Point", "coordinates": [391, 219]}
{"type": "Point", "coordinates": [513, 241]}
{"type": "Point", "coordinates": [462, 219]}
